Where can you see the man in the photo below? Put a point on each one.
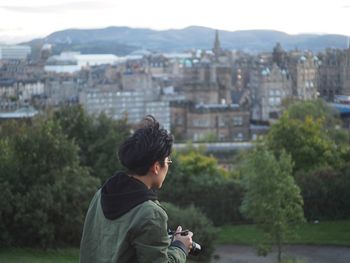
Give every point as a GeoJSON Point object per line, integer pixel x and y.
{"type": "Point", "coordinates": [125, 222]}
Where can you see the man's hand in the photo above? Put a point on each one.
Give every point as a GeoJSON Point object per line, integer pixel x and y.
{"type": "Point", "coordinates": [186, 240]}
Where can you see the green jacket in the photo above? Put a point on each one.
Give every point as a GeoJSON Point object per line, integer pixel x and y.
{"type": "Point", "coordinates": [139, 235]}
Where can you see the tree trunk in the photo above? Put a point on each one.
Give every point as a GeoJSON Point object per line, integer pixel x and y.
{"type": "Point", "coordinates": [279, 246]}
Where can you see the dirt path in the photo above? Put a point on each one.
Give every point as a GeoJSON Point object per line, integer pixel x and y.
{"type": "Point", "coordinates": [310, 254]}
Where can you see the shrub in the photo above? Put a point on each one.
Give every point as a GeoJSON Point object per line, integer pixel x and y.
{"type": "Point", "coordinates": [44, 192]}
{"type": "Point", "coordinates": [97, 139]}
{"type": "Point", "coordinates": [326, 193]}
{"type": "Point", "coordinates": [191, 218]}
{"type": "Point", "coordinates": [197, 179]}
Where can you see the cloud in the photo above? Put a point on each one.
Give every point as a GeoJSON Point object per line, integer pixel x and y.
{"type": "Point", "coordinates": [57, 8]}
{"type": "Point", "coordinates": [11, 29]}
{"type": "Point", "coordinates": [346, 6]}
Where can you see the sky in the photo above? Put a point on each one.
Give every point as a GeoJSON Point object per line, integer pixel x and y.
{"type": "Point", "coordinates": [27, 19]}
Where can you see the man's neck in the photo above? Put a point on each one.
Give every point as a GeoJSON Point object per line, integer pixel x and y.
{"type": "Point", "coordinates": [145, 179]}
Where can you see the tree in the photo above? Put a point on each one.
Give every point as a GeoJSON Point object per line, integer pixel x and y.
{"type": "Point", "coordinates": [198, 180]}
{"type": "Point", "coordinates": [306, 141]}
{"type": "Point", "coordinates": [97, 138]}
{"type": "Point", "coordinates": [272, 199]}
{"type": "Point", "coordinates": [45, 192]}
{"type": "Point", "coordinates": [79, 127]}
{"type": "Point", "coordinates": [326, 193]}
{"type": "Point", "coordinates": [317, 109]}
{"type": "Point", "coordinates": [311, 133]}
{"type": "Point", "coordinates": [108, 135]}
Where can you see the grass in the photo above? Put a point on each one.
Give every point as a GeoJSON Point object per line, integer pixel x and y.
{"type": "Point", "coordinates": [15, 255]}
{"type": "Point", "coordinates": [323, 233]}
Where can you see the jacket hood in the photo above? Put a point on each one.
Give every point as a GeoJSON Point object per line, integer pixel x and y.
{"type": "Point", "coordinates": [121, 193]}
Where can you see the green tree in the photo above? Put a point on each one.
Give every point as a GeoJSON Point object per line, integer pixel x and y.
{"type": "Point", "coordinates": [44, 190]}
{"type": "Point", "coordinates": [198, 180]}
{"type": "Point", "coordinates": [108, 135]}
{"type": "Point", "coordinates": [311, 133]}
{"type": "Point", "coordinates": [320, 110]}
{"type": "Point", "coordinates": [306, 141]}
{"type": "Point", "coordinates": [326, 193]}
{"type": "Point", "coordinates": [79, 127]}
{"type": "Point", "coordinates": [317, 109]}
{"type": "Point", "coordinates": [97, 138]}
{"type": "Point", "coordinates": [272, 199]}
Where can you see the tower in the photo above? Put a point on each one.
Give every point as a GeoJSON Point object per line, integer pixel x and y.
{"type": "Point", "coordinates": [217, 46]}
{"type": "Point", "coordinates": [279, 56]}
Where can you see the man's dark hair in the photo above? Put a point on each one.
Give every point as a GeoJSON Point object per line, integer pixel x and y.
{"type": "Point", "coordinates": [150, 143]}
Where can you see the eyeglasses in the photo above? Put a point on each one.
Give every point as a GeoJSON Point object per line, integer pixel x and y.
{"type": "Point", "coordinates": [169, 161]}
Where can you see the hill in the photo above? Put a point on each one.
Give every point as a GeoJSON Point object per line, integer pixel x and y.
{"type": "Point", "coordinates": [124, 40]}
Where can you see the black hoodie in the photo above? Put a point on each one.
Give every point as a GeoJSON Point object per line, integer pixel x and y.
{"type": "Point", "coordinates": [121, 193]}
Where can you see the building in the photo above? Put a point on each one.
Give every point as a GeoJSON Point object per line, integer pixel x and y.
{"type": "Point", "coordinates": [225, 122]}
{"type": "Point", "coordinates": [304, 74]}
{"type": "Point", "coordinates": [334, 73]}
{"type": "Point", "coordinates": [17, 93]}
{"type": "Point", "coordinates": [269, 87]}
{"type": "Point", "coordinates": [9, 52]}
{"type": "Point", "coordinates": [133, 105]}
{"type": "Point", "coordinates": [161, 111]}
{"type": "Point", "coordinates": [62, 90]}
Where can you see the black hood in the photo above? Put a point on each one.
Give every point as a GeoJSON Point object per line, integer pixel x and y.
{"type": "Point", "coordinates": [121, 193]}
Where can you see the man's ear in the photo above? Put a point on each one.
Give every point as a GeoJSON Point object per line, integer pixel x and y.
{"type": "Point", "coordinates": [155, 168]}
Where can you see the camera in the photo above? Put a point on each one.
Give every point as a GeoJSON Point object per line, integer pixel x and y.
{"type": "Point", "coordinates": [196, 248]}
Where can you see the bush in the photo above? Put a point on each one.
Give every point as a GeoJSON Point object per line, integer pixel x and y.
{"type": "Point", "coordinates": [191, 218]}
{"type": "Point", "coordinates": [326, 193]}
{"type": "Point", "coordinates": [44, 192]}
{"type": "Point", "coordinates": [97, 138]}
{"type": "Point", "coordinates": [196, 179]}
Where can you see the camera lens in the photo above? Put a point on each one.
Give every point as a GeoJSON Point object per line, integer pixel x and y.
{"type": "Point", "coordinates": [196, 249]}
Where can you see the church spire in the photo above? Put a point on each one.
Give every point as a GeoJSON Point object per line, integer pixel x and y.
{"type": "Point", "coordinates": [217, 45]}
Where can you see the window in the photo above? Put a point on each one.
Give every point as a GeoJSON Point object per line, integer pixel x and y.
{"type": "Point", "coordinates": [274, 101]}
{"type": "Point", "coordinates": [238, 121]}
{"type": "Point", "coordinates": [201, 123]}
{"type": "Point", "coordinates": [238, 137]}
{"type": "Point", "coordinates": [222, 122]}
{"type": "Point", "coordinates": [178, 120]}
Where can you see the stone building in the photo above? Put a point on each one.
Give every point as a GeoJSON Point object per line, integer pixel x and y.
{"type": "Point", "coordinates": [132, 105]}
{"type": "Point", "coordinates": [304, 74]}
{"type": "Point", "coordinates": [334, 73]}
{"type": "Point", "coordinates": [345, 74]}
{"type": "Point", "coordinates": [269, 87]}
{"type": "Point", "coordinates": [205, 122]}
{"type": "Point", "coordinates": [214, 109]}
{"type": "Point", "coordinates": [223, 122]}
{"type": "Point", "coordinates": [18, 93]}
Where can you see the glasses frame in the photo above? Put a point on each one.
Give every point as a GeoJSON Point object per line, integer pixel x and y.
{"type": "Point", "coordinates": [169, 161]}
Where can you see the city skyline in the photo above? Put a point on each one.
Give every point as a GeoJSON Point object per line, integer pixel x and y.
{"type": "Point", "coordinates": [20, 21]}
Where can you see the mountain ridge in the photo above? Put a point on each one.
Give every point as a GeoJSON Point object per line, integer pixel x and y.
{"type": "Point", "coordinates": [123, 40]}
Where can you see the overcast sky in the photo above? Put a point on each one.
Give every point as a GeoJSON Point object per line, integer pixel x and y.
{"type": "Point", "coordinates": [26, 19]}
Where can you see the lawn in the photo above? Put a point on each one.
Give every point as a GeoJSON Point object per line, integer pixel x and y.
{"type": "Point", "coordinates": [323, 233]}
{"type": "Point", "coordinates": [39, 256]}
